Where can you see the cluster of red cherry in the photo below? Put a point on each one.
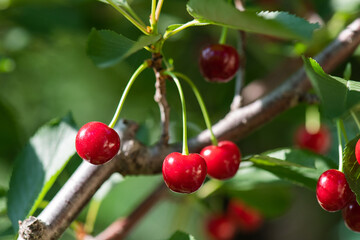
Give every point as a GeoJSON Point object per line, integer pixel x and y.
{"type": "Point", "coordinates": [186, 173]}
{"type": "Point", "coordinates": [239, 216]}
{"type": "Point", "coordinates": [97, 143]}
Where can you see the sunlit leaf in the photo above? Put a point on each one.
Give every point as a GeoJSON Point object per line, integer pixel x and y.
{"type": "Point", "coordinates": [279, 24]}
{"type": "Point", "coordinates": [38, 165]}
{"type": "Point", "coordinates": [337, 95]}
{"type": "Point", "coordinates": [107, 48]}
{"type": "Point", "coordinates": [297, 173]}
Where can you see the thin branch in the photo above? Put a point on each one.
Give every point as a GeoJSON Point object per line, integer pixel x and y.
{"type": "Point", "coordinates": [240, 76]}
{"type": "Point", "coordinates": [135, 158]}
{"type": "Point", "coordinates": [119, 229]}
{"type": "Point", "coordinates": [160, 97]}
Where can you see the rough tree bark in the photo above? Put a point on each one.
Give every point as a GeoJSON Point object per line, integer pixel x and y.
{"type": "Point", "coordinates": [134, 158]}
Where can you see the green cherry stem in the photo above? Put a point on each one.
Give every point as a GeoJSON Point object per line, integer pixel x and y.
{"type": "Point", "coordinates": [153, 21]}
{"type": "Point", "coordinates": [141, 68]}
{"type": "Point", "coordinates": [223, 35]}
{"type": "Point", "coordinates": [158, 9]}
{"type": "Point", "coordinates": [343, 131]}
{"type": "Point", "coordinates": [357, 121]}
{"type": "Point", "coordinates": [202, 106]}
{"type": "Point", "coordinates": [185, 150]}
{"type": "Point", "coordinates": [340, 148]}
{"type": "Point", "coordinates": [140, 26]}
{"type": "Point", "coordinates": [182, 27]}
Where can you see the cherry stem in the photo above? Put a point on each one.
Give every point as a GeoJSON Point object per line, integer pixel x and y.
{"type": "Point", "coordinates": [356, 119]}
{"type": "Point", "coordinates": [202, 106]}
{"type": "Point", "coordinates": [340, 148]}
{"type": "Point", "coordinates": [153, 21]}
{"type": "Point", "coordinates": [158, 9]}
{"type": "Point", "coordinates": [223, 35]}
{"type": "Point", "coordinates": [343, 131]}
{"type": "Point", "coordinates": [141, 68]}
{"type": "Point", "coordinates": [185, 150]}
{"type": "Point", "coordinates": [194, 22]}
{"type": "Point", "coordinates": [91, 215]}
{"type": "Point", "coordinates": [137, 24]}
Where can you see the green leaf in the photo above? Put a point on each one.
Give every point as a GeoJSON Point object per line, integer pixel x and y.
{"type": "Point", "coordinates": [107, 48]}
{"type": "Point", "coordinates": [279, 24]}
{"type": "Point", "coordinates": [337, 95]}
{"type": "Point", "coordinates": [352, 167]}
{"type": "Point", "coordinates": [297, 173]}
{"type": "Point", "coordinates": [38, 165]}
{"type": "Point", "coordinates": [179, 235]}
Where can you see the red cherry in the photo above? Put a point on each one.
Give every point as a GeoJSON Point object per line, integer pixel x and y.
{"type": "Point", "coordinates": [332, 191]}
{"type": "Point", "coordinates": [184, 173]}
{"type": "Point", "coordinates": [220, 227]}
{"type": "Point", "coordinates": [319, 142]}
{"type": "Point", "coordinates": [357, 151]}
{"type": "Point", "coordinates": [351, 215]}
{"type": "Point", "coordinates": [223, 160]}
{"type": "Point", "coordinates": [97, 143]}
{"type": "Point", "coordinates": [219, 62]}
{"type": "Point", "coordinates": [247, 218]}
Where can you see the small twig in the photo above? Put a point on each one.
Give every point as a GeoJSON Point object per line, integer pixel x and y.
{"type": "Point", "coordinates": [160, 97]}
{"type": "Point", "coordinates": [121, 228]}
{"type": "Point", "coordinates": [240, 76]}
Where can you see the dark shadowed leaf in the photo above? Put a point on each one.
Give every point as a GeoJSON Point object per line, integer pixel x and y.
{"type": "Point", "coordinates": [281, 164]}
{"type": "Point", "coordinates": [279, 24]}
{"type": "Point", "coordinates": [337, 95]}
{"type": "Point", "coordinates": [38, 165]}
{"type": "Point", "coordinates": [352, 167]}
{"type": "Point", "coordinates": [107, 48]}
{"type": "Point", "coordinates": [181, 236]}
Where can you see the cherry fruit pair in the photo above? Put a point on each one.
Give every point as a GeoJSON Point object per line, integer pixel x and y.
{"type": "Point", "coordinates": [186, 173]}
{"type": "Point", "coordinates": [333, 194]}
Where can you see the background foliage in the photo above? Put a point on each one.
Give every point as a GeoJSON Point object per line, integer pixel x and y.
{"type": "Point", "coordinates": [45, 73]}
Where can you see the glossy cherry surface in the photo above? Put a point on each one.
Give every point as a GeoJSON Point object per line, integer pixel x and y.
{"type": "Point", "coordinates": [220, 227]}
{"type": "Point", "coordinates": [223, 160]}
{"type": "Point", "coordinates": [184, 173]}
{"type": "Point", "coordinates": [97, 143]}
{"type": "Point", "coordinates": [332, 191]}
{"type": "Point", "coordinates": [248, 218]}
{"type": "Point", "coordinates": [351, 215]}
{"type": "Point", "coordinates": [319, 142]}
{"type": "Point", "coordinates": [219, 62]}
{"type": "Point", "coordinates": [357, 151]}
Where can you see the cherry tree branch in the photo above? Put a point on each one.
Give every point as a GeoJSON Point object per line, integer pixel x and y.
{"type": "Point", "coordinates": [240, 76]}
{"type": "Point", "coordinates": [134, 158]}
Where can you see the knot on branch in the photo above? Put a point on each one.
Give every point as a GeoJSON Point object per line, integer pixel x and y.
{"type": "Point", "coordinates": [32, 229]}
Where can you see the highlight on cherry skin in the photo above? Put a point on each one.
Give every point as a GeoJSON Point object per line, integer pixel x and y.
{"type": "Point", "coordinates": [318, 142]}
{"type": "Point", "coordinates": [220, 227]}
{"type": "Point", "coordinates": [184, 173]}
{"type": "Point", "coordinates": [357, 151]}
{"type": "Point", "coordinates": [222, 160]}
{"type": "Point", "coordinates": [97, 143]}
{"type": "Point", "coordinates": [219, 62]}
{"type": "Point", "coordinates": [332, 191]}
{"type": "Point", "coordinates": [351, 215]}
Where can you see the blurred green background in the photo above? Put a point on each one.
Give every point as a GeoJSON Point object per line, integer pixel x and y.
{"type": "Point", "coordinates": [45, 73]}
